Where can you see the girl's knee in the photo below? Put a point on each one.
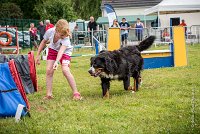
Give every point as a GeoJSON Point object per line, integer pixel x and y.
{"type": "Point", "coordinates": [66, 71]}
{"type": "Point", "coordinates": [49, 72]}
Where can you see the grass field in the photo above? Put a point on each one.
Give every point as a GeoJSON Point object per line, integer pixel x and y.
{"type": "Point", "coordinates": [168, 102]}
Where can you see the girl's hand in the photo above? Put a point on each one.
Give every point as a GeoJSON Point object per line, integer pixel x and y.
{"type": "Point", "coordinates": [55, 65]}
{"type": "Point", "coordinates": [37, 60]}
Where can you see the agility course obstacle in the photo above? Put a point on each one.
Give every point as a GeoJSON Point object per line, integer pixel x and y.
{"type": "Point", "coordinates": [12, 92]}
{"type": "Point", "coordinates": [18, 78]}
{"type": "Point", "coordinates": [174, 57]}
{"type": "Point", "coordinates": [25, 66]}
{"type": "Point", "coordinates": [114, 39]}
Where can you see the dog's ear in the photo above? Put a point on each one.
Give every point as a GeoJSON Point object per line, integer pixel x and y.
{"type": "Point", "coordinates": [91, 60]}
{"type": "Point", "coordinates": [110, 64]}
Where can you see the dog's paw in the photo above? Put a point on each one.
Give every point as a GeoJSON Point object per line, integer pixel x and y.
{"type": "Point", "coordinates": [130, 88]}
{"type": "Point", "coordinates": [107, 95]}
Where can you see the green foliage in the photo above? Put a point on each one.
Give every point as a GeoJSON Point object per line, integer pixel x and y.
{"type": "Point", "coordinates": [87, 8]}
{"type": "Point", "coordinates": [10, 10]}
{"type": "Point", "coordinates": [27, 6]}
{"type": "Point", "coordinates": [55, 10]}
{"type": "Point", "coordinates": [52, 9]}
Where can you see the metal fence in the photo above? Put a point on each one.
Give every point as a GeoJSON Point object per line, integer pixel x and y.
{"type": "Point", "coordinates": [23, 26]}
{"type": "Point", "coordinates": [193, 34]}
{"type": "Point", "coordinates": [135, 35]}
{"type": "Point", "coordinates": [89, 42]}
{"type": "Point", "coordinates": [84, 38]}
{"type": "Point", "coordinates": [163, 36]}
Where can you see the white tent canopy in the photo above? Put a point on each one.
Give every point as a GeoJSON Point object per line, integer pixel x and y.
{"type": "Point", "coordinates": [174, 6]}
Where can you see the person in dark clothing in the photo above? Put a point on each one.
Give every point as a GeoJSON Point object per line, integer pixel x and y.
{"type": "Point", "coordinates": [41, 29]}
{"type": "Point", "coordinates": [92, 26]}
{"type": "Point", "coordinates": [124, 25]}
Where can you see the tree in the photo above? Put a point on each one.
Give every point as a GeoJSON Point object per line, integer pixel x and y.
{"type": "Point", "coordinates": [10, 10]}
{"type": "Point", "coordinates": [87, 8]}
{"type": "Point", "coordinates": [55, 10]}
{"type": "Point", "coordinates": [26, 6]}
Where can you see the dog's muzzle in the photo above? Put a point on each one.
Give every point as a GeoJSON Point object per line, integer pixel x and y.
{"type": "Point", "coordinates": [95, 72]}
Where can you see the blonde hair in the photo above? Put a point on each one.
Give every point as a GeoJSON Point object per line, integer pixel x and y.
{"type": "Point", "coordinates": [62, 26]}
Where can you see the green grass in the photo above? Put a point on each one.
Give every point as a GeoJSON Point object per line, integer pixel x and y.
{"type": "Point", "coordinates": [163, 104]}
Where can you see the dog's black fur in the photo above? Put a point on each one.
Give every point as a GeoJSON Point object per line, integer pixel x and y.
{"type": "Point", "coordinates": [120, 64]}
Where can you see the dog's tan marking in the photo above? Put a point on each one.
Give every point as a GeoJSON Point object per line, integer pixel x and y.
{"type": "Point", "coordinates": [130, 88]}
{"type": "Point", "coordinates": [98, 69]}
{"type": "Point", "coordinates": [107, 95]}
{"type": "Point", "coordinates": [134, 88]}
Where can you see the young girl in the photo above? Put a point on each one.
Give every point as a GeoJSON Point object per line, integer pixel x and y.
{"type": "Point", "coordinates": [60, 49]}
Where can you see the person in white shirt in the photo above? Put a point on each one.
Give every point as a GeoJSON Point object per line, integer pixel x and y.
{"type": "Point", "coordinates": [60, 49]}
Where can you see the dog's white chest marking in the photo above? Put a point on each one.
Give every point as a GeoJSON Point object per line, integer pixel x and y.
{"type": "Point", "coordinates": [111, 76]}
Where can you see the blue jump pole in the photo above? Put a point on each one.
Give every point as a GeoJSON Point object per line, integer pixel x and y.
{"type": "Point", "coordinates": [96, 47]}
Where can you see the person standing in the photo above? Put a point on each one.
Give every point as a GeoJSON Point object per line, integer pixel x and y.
{"type": "Point", "coordinates": [139, 29]}
{"type": "Point", "coordinates": [92, 27]}
{"type": "Point", "coordinates": [48, 25]}
{"type": "Point", "coordinates": [41, 29]}
{"type": "Point", "coordinates": [60, 50]}
{"type": "Point", "coordinates": [183, 24]}
{"type": "Point", "coordinates": [124, 25]}
{"type": "Point", "coordinates": [33, 35]}
{"type": "Point", "coordinates": [115, 23]}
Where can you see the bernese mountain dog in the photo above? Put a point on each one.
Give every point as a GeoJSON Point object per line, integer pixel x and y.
{"type": "Point", "coordinates": [120, 65]}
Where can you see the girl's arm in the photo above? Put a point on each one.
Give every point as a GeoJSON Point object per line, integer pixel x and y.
{"type": "Point", "coordinates": [59, 56]}
{"type": "Point", "coordinates": [142, 24]}
{"type": "Point", "coordinates": [42, 45]}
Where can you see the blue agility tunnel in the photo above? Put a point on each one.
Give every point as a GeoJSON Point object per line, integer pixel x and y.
{"type": "Point", "coordinates": [10, 96]}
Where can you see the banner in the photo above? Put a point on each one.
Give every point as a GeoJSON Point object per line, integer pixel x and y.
{"type": "Point", "coordinates": [110, 13]}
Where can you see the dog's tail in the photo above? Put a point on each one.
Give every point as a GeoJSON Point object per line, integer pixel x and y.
{"type": "Point", "coordinates": [145, 44]}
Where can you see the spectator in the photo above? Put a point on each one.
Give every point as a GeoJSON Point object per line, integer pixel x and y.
{"type": "Point", "coordinates": [115, 23]}
{"type": "Point", "coordinates": [41, 29]}
{"type": "Point", "coordinates": [92, 26]}
{"type": "Point", "coordinates": [139, 29]}
{"type": "Point", "coordinates": [75, 35]}
{"type": "Point", "coordinates": [124, 25]}
{"type": "Point", "coordinates": [76, 27]}
{"type": "Point", "coordinates": [165, 35]}
{"type": "Point", "coordinates": [33, 35]}
{"type": "Point", "coordinates": [183, 24]}
{"type": "Point", "coordinates": [48, 25]}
